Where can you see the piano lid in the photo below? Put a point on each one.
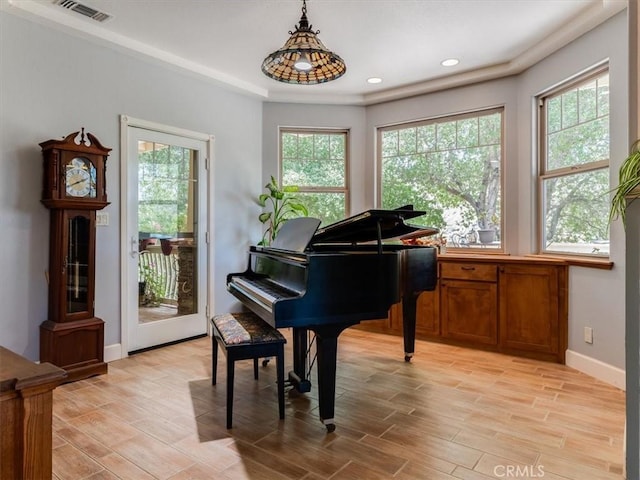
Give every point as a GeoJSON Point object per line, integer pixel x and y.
{"type": "Point", "coordinates": [372, 225]}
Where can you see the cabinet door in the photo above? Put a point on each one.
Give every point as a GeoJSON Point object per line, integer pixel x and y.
{"type": "Point", "coordinates": [428, 313]}
{"type": "Point", "coordinates": [529, 307]}
{"type": "Point", "coordinates": [427, 316]}
{"type": "Point", "coordinates": [469, 311]}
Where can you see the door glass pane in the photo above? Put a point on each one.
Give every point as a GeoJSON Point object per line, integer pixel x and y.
{"type": "Point", "coordinates": [167, 209]}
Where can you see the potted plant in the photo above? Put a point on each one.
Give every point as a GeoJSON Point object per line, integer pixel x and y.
{"type": "Point", "coordinates": [151, 285]}
{"type": "Point", "coordinates": [283, 206]}
{"type": "Point", "coordinates": [487, 228]}
{"type": "Point", "coordinates": [486, 236]}
{"type": "Point", "coordinates": [628, 184]}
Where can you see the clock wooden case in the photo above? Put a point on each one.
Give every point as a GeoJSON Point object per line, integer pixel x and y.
{"type": "Point", "coordinates": [74, 188]}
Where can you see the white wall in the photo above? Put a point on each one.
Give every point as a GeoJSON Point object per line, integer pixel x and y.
{"type": "Point", "coordinates": [53, 84]}
{"type": "Point", "coordinates": [596, 296]}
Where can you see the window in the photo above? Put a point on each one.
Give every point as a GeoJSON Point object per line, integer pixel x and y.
{"type": "Point", "coordinates": [574, 167]}
{"type": "Point", "coordinates": [451, 168]}
{"type": "Point", "coordinates": [316, 161]}
{"type": "Point", "coordinates": [163, 188]}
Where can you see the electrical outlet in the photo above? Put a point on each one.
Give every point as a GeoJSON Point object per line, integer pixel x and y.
{"type": "Point", "coordinates": [588, 334]}
{"type": "Point", "coordinates": [102, 218]}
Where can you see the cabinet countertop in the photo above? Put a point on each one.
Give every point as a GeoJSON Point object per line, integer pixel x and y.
{"type": "Point", "coordinates": [498, 258]}
{"type": "Point", "coordinates": [18, 373]}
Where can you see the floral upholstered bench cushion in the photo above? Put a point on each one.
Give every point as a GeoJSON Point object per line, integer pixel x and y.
{"type": "Point", "coordinates": [245, 328]}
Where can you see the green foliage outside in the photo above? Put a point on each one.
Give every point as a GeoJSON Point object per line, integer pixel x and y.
{"type": "Point", "coordinates": [577, 204]}
{"type": "Point", "coordinates": [163, 189]}
{"type": "Point", "coordinates": [153, 281]}
{"type": "Point", "coordinates": [316, 164]}
{"type": "Point", "coordinates": [449, 169]}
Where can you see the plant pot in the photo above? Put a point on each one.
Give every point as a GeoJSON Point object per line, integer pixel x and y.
{"type": "Point", "coordinates": [486, 236]}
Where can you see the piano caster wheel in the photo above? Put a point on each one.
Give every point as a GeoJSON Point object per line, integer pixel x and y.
{"type": "Point", "coordinates": [407, 358]}
{"type": "Point", "coordinates": [265, 362]}
{"type": "Point", "coordinates": [331, 427]}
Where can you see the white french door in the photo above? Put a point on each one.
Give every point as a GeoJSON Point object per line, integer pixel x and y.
{"type": "Point", "coordinates": [165, 224]}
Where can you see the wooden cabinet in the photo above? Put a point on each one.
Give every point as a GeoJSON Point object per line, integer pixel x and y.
{"type": "Point", "coordinates": [515, 305]}
{"type": "Point", "coordinates": [26, 403]}
{"type": "Point", "coordinates": [533, 309]}
{"type": "Point", "coordinates": [427, 314]}
{"type": "Point", "coordinates": [427, 317]}
{"type": "Point", "coordinates": [469, 302]}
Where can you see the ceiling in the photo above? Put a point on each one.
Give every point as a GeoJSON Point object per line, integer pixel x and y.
{"type": "Point", "coordinates": [400, 41]}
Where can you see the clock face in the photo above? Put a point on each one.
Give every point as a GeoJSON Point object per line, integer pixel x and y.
{"type": "Point", "coordinates": [80, 178]}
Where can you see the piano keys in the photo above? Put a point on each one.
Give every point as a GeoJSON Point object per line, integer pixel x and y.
{"type": "Point", "coordinates": [326, 280]}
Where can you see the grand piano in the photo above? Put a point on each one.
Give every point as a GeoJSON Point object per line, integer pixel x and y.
{"type": "Point", "coordinates": [328, 279]}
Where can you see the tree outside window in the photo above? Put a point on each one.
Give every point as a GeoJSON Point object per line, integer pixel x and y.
{"type": "Point", "coordinates": [163, 188]}
{"type": "Point", "coordinates": [451, 168]}
{"type": "Point", "coordinates": [574, 167]}
{"type": "Point", "coordinates": [316, 162]}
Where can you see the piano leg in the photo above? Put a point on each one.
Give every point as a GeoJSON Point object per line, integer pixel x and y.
{"type": "Point", "coordinates": [409, 303]}
{"type": "Point", "coordinates": [327, 348]}
{"type": "Point", "coordinates": [298, 376]}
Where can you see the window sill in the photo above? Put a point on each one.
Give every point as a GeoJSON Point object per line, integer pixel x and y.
{"type": "Point", "coordinates": [604, 264]}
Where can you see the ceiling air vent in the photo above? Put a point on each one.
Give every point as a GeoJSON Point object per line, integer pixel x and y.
{"type": "Point", "coordinates": [82, 9]}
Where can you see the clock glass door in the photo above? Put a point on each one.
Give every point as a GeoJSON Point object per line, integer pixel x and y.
{"type": "Point", "coordinates": [77, 262]}
{"type": "Point", "coordinates": [167, 208]}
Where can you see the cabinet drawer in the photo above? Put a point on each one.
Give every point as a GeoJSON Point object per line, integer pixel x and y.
{"type": "Point", "coordinates": [469, 271]}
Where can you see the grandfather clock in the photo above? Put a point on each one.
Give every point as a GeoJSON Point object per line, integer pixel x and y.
{"type": "Point", "coordinates": [74, 189]}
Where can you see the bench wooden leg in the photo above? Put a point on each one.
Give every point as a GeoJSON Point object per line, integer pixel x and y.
{"type": "Point", "coordinates": [214, 359]}
{"type": "Point", "coordinates": [280, 377]}
{"type": "Point", "coordinates": [230, 374]}
{"type": "Point", "coordinates": [255, 368]}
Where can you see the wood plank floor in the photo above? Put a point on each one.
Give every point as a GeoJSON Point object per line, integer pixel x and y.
{"type": "Point", "coordinates": [451, 413]}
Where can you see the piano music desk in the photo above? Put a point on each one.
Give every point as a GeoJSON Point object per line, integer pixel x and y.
{"type": "Point", "coordinates": [244, 336]}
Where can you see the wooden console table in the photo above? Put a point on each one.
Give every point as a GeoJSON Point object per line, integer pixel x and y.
{"type": "Point", "coordinates": [26, 401]}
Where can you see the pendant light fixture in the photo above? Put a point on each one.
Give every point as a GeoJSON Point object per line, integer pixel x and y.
{"type": "Point", "coordinates": [304, 59]}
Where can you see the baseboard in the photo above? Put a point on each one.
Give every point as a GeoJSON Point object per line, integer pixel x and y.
{"type": "Point", "coordinates": [595, 368]}
{"type": "Point", "coordinates": [112, 352]}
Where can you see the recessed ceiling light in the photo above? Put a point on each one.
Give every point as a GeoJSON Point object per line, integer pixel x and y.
{"type": "Point", "coordinates": [374, 80]}
{"type": "Point", "coordinates": [449, 62]}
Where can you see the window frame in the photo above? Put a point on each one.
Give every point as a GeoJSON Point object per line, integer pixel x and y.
{"type": "Point", "coordinates": [313, 189]}
{"type": "Point", "coordinates": [475, 113]}
{"type": "Point", "coordinates": [545, 173]}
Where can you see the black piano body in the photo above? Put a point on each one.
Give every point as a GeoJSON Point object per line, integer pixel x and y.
{"type": "Point", "coordinates": [324, 280]}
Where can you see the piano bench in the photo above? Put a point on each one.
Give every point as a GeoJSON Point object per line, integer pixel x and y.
{"type": "Point", "coordinates": [245, 336]}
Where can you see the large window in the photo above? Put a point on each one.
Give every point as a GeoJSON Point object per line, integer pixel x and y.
{"type": "Point", "coordinates": [316, 161]}
{"type": "Point", "coordinates": [451, 168]}
{"type": "Point", "coordinates": [574, 167]}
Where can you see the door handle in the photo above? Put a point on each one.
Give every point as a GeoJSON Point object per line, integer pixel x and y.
{"type": "Point", "coordinates": [134, 247]}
